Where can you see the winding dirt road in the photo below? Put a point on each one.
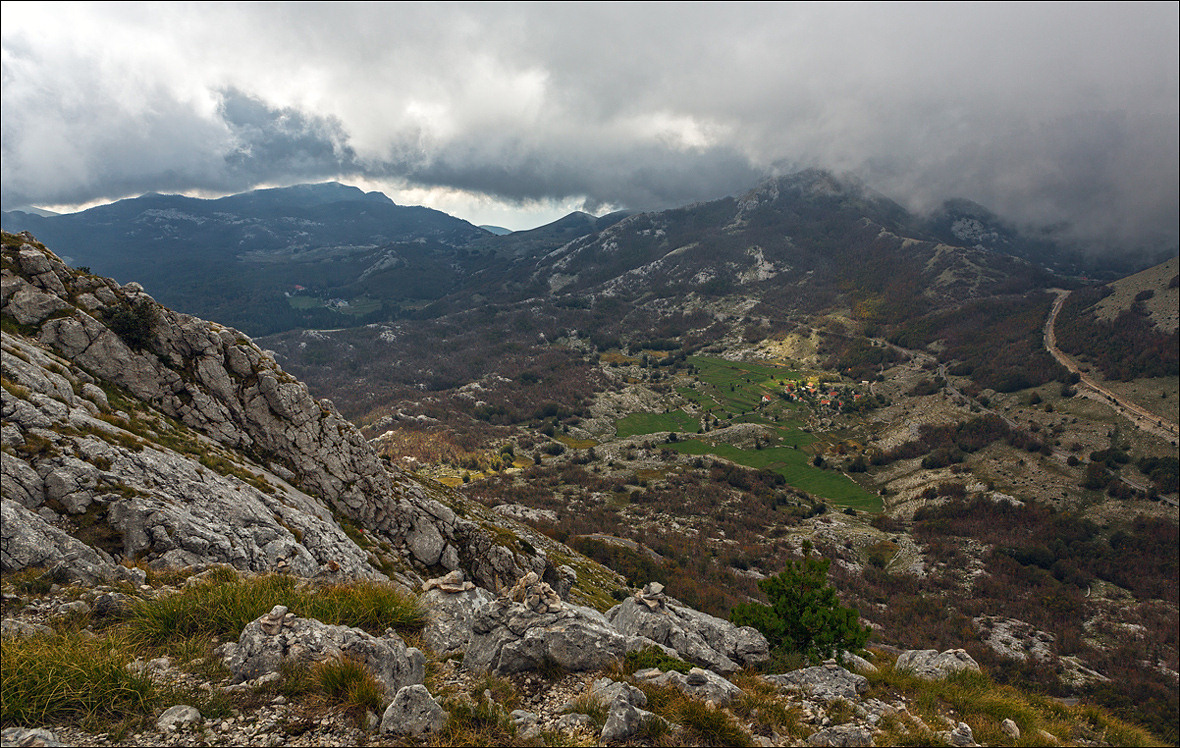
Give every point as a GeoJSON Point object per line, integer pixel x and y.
{"type": "Point", "coordinates": [1139, 416]}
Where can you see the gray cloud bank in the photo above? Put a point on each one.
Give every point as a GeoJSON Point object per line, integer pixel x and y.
{"type": "Point", "coordinates": [1048, 114]}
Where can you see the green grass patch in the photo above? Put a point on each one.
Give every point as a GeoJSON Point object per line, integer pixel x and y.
{"type": "Point", "coordinates": [357, 307]}
{"type": "Point", "coordinates": [69, 678]}
{"type": "Point", "coordinates": [984, 705]}
{"type": "Point", "coordinates": [733, 390]}
{"type": "Point", "coordinates": [636, 424]}
{"type": "Point", "coordinates": [573, 443]}
{"type": "Point", "coordinates": [224, 603]}
{"type": "Point", "coordinates": [348, 683]}
{"type": "Point", "coordinates": [304, 303]}
{"type": "Point", "coordinates": [795, 466]}
{"type": "Point", "coordinates": [641, 659]}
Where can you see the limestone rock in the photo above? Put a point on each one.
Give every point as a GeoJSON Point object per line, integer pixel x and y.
{"type": "Point", "coordinates": [29, 305]}
{"type": "Point", "coordinates": [701, 684]}
{"type": "Point", "coordinates": [623, 720]}
{"type": "Point", "coordinates": [513, 635]}
{"type": "Point", "coordinates": [526, 724]}
{"type": "Point", "coordinates": [525, 513]}
{"type": "Point", "coordinates": [858, 664]}
{"type": "Point", "coordinates": [695, 636]}
{"type": "Point", "coordinates": [1015, 639]}
{"type": "Point", "coordinates": [232, 403]}
{"type": "Point", "coordinates": [535, 595]}
{"type": "Point", "coordinates": [12, 628]}
{"type": "Point", "coordinates": [176, 717]}
{"type": "Point", "coordinates": [929, 664]}
{"type": "Point", "coordinates": [605, 691]}
{"type": "Point", "coordinates": [961, 736]}
{"type": "Point", "coordinates": [825, 682]}
{"type": "Point", "coordinates": [452, 616]}
{"type": "Point", "coordinates": [574, 722]}
{"type": "Point", "coordinates": [452, 582]}
{"type": "Point", "coordinates": [1010, 728]}
{"type": "Point", "coordinates": [111, 605]}
{"type": "Point", "coordinates": [28, 540]}
{"type": "Point", "coordinates": [280, 636]}
{"type": "Point", "coordinates": [413, 711]}
{"type": "Point", "coordinates": [842, 735]}
{"type": "Point", "coordinates": [29, 737]}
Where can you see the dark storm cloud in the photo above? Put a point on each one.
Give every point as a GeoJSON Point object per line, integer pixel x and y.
{"type": "Point", "coordinates": [281, 144]}
{"type": "Point", "coordinates": [1049, 114]}
{"type": "Point", "coordinates": [639, 177]}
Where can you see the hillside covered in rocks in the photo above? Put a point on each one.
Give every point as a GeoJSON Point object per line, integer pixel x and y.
{"type": "Point", "coordinates": [197, 552]}
{"type": "Point", "coordinates": [132, 433]}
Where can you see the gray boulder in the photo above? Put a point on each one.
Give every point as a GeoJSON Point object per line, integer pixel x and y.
{"type": "Point", "coordinates": [452, 607]}
{"type": "Point", "coordinates": [176, 717]}
{"type": "Point", "coordinates": [413, 711]}
{"type": "Point", "coordinates": [574, 722]}
{"type": "Point", "coordinates": [28, 737]}
{"type": "Point", "coordinates": [701, 684]}
{"type": "Point", "coordinates": [623, 720]}
{"type": "Point", "coordinates": [526, 724]}
{"type": "Point", "coordinates": [531, 625]}
{"type": "Point", "coordinates": [842, 735]}
{"type": "Point", "coordinates": [279, 636]}
{"type": "Point", "coordinates": [858, 664]}
{"type": "Point", "coordinates": [825, 682]}
{"type": "Point", "coordinates": [961, 736]}
{"type": "Point", "coordinates": [1011, 729]}
{"type": "Point", "coordinates": [696, 637]}
{"type": "Point", "coordinates": [606, 691]}
{"type": "Point", "coordinates": [930, 664]}
{"type": "Point", "coordinates": [12, 628]}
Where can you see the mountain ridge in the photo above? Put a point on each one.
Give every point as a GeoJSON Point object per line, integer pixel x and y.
{"type": "Point", "coordinates": [325, 243]}
{"type": "Point", "coordinates": [199, 397]}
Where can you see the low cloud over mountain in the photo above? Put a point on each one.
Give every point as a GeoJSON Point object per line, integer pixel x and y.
{"type": "Point", "coordinates": [1065, 116]}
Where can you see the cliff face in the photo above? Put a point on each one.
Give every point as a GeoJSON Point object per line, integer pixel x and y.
{"type": "Point", "coordinates": [132, 432]}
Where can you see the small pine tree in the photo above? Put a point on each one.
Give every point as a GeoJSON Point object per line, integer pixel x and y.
{"type": "Point", "coordinates": [804, 615]}
{"type": "Point", "coordinates": [134, 325]}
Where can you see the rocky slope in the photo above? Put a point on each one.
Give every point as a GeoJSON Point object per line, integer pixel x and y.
{"type": "Point", "coordinates": [246, 690]}
{"type": "Point", "coordinates": [135, 433]}
{"type": "Point", "coordinates": [138, 438]}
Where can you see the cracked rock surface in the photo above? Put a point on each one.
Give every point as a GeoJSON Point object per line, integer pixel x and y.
{"type": "Point", "coordinates": [152, 435]}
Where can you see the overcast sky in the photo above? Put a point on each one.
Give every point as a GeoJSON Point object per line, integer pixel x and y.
{"type": "Point", "coordinates": [516, 114]}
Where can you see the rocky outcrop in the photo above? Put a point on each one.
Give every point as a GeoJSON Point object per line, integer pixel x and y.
{"type": "Point", "coordinates": [26, 539]}
{"type": "Point", "coordinates": [696, 637]}
{"type": "Point", "coordinates": [623, 720]}
{"type": "Point", "coordinates": [29, 737]}
{"type": "Point", "coordinates": [606, 691]}
{"type": "Point", "coordinates": [930, 664]}
{"type": "Point", "coordinates": [86, 484]}
{"type": "Point", "coordinates": [531, 626]}
{"type": "Point", "coordinates": [413, 712]}
{"type": "Point", "coordinates": [850, 736]}
{"type": "Point", "coordinates": [623, 703]}
{"type": "Point", "coordinates": [177, 717]}
{"type": "Point", "coordinates": [279, 636]}
{"type": "Point", "coordinates": [1015, 639]}
{"type": "Point", "coordinates": [454, 605]}
{"type": "Point", "coordinates": [826, 682]}
{"type": "Point", "coordinates": [153, 435]}
{"type": "Point", "coordinates": [697, 683]}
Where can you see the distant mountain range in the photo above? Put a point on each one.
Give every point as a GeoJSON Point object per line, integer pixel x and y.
{"type": "Point", "coordinates": [242, 258]}
{"type": "Point", "coordinates": [330, 255]}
